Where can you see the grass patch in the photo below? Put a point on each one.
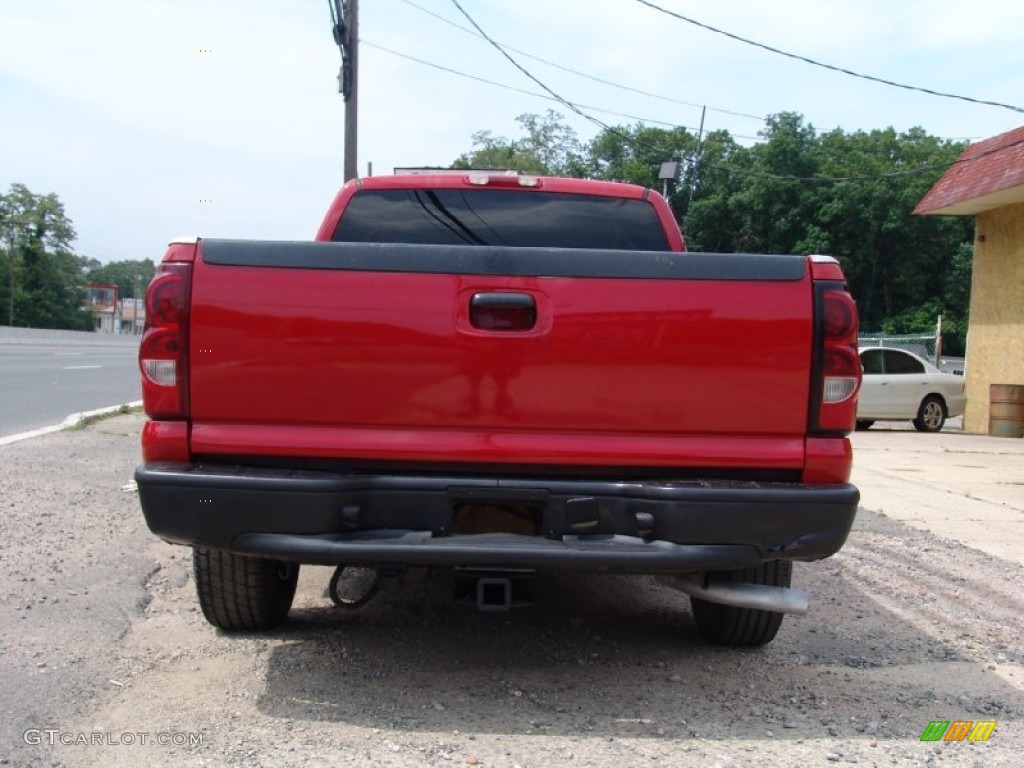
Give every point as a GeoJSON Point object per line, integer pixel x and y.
{"type": "Point", "coordinates": [90, 420]}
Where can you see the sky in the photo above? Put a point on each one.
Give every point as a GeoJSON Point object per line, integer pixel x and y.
{"type": "Point", "coordinates": [156, 118]}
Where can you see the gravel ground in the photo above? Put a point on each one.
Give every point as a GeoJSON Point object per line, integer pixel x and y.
{"type": "Point", "coordinates": [904, 628]}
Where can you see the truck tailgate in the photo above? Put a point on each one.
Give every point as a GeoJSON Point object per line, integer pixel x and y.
{"type": "Point", "coordinates": [370, 351]}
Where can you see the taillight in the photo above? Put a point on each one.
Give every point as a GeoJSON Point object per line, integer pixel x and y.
{"type": "Point", "coordinates": [837, 366]}
{"type": "Point", "coordinates": [163, 353]}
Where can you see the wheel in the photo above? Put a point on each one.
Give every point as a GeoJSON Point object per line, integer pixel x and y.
{"type": "Point", "coordinates": [726, 625]}
{"type": "Point", "coordinates": [862, 425]}
{"type": "Point", "coordinates": [239, 593]}
{"type": "Point", "coordinates": [931, 415]}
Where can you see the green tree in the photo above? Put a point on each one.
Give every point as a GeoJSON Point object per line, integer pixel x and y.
{"type": "Point", "coordinates": [548, 147]}
{"type": "Point", "coordinates": [130, 276]}
{"type": "Point", "coordinates": [634, 154]}
{"type": "Point", "coordinates": [894, 261]}
{"type": "Point", "coordinates": [710, 221]}
{"type": "Point", "coordinates": [780, 196]}
{"type": "Point", "coordinates": [776, 208]}
{"type": "Point", "coordinates": [42, 273]}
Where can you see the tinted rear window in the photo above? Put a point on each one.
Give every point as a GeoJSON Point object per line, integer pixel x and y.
{"type": "Point", "coordinates": [897, 362]}
{"type": "Point", "coordinates": [872, 361]}
{"type": "Point", "coordinates": [500, 217]}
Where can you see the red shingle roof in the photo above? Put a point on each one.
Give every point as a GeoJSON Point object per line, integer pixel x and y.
{"type": "Point", "coordinates": [989, 174]}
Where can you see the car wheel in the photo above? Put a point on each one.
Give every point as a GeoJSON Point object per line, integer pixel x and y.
{"type": "Point", "coordinates": [862, 425]}
{"type": "Point", "coordinates": [243, 593]}
{"type": "Point", "coordinates": [727, 625]}
{"type": "Point", "coordinates": [931, 415]}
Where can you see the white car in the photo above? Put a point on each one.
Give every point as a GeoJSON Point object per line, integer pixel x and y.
{"type": "Point", "coordinates": [900, 385]}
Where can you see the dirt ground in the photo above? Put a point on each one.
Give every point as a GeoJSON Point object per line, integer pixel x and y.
{"type": "Point", "coordinates": [101, 640]}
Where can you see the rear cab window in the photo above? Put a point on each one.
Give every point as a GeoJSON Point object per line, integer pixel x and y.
{"type": "Point", "coordinates": [518, 218]}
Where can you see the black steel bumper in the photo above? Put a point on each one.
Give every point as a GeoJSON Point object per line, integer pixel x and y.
{"type": "Point", "coordinates": [374, 519]}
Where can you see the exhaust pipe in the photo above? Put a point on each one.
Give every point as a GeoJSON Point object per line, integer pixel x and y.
{"type": "Point", "coordinates": [758, 597]}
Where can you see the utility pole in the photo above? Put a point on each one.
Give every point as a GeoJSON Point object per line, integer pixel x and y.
{"type": "Point", "coordinates": [345, 16]}
{"type": "Point", "coordinates": [694, 171]}
{"type": "Point", "coordinates": [10, 269]}
{"type": "Point", "coordinates": [11, 256]}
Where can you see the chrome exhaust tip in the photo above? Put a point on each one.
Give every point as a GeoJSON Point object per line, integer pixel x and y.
{"type": "Point", "coordinates": [759, 597]}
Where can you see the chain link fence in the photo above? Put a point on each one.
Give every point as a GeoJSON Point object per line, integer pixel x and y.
{"type": "Point", "coordinates": [924, 345]}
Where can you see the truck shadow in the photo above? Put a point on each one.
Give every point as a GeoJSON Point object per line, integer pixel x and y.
{"type": "Point", "coordinates": [894, 629]}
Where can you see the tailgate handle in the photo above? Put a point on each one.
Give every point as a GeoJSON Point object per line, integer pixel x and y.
{"type": "Point", "coordinates": [503, 311]}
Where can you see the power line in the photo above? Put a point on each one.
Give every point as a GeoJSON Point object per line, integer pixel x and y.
{"type": "Point", "coordinates": [568, 104]}
{"type": "Point", "coordinates": [94, 249]}
{"type": "Point", "coordinates": [335, 12]}
{"type": "Point", "coordinates": [631, 89]}
{"type": "Point", "coordinates": [557, 97]}
{"type": "Point", "coordinates": [738, 171]}
{"type": "Point", "coordinates": [449, 22]}
{"type": "Point", "coordinates": [561, 100]}
{"type": "Point", "coordinates": [832, 67]}
{"type": "Point", "coordinates": [535, 94]}
{"type": "Point", "coordinates": [595, 120]}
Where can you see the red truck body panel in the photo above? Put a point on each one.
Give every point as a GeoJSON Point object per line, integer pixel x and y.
{"type": "Point", "coordinates": [376, 365]}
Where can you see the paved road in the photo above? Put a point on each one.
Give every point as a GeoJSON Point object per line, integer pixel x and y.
{"type": "Point", "coordinates": [44, 384]}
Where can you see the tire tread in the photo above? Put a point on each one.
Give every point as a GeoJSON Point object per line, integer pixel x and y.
{"type": "Point", "coordinates": [728, 625]}
{"type": "Point", "coordinates": [242, 593]}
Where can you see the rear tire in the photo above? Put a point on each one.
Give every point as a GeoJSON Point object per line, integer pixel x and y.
{"type": "Point", "coordinates": [726, 625]}
{"type": "Point", "coordinates": [931, 415]}
{"type": "Point", "coordinates": [863, 425]}
{"type": "Point", "coordinates": [243, 593]}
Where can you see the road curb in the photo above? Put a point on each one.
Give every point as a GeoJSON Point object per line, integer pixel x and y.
{"type": "Point", "coordinates": [72, 420]}
{"type": "Point", "coordinates": [46, 337]}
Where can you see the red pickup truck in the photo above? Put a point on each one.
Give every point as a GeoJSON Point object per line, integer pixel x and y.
{"type": "Point", "coordinates": [499, 374]}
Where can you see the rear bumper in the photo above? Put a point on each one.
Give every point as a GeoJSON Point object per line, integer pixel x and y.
{"type": "Point", "coordinates": [366, 519]}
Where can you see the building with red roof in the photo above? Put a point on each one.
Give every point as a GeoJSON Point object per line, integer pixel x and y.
{"type": "Point", "coordinates": [987, 182]}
